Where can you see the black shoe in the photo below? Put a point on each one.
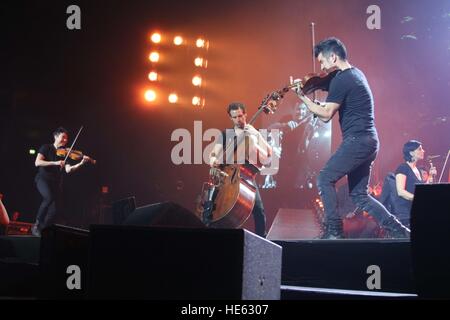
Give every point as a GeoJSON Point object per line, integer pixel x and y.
{"type": "Point", "coordinates": [333, 230]}
{"type": "Point", "coordinates": [331, 236]}
{"type": "Point", "coordinates": [35, 231]}
{"type": "Point", "coordinates": [394, 229]}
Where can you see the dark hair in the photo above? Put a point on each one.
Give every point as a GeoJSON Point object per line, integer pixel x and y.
{"type": "Point", "coordinates": [408, 147]}
{"type": "Point", "coordinates": [236, 106]}
{"type": "Point", "coordinates": [58, 131]}
{"type": "Point", "coordinates": [331, 45]}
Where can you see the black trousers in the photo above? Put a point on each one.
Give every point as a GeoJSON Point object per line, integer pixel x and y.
{"type": "Point", "coordinates": [353, 158]}
{"type": "Point", "coordinates": [259, 215]}
{"type": "Point", "coordinates": [51, 193]}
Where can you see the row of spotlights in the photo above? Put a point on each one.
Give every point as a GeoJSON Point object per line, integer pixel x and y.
{"type": "Point", "coordinates": [178, 40]}
{"type": "Point", "coordinates": [198, 62]}
{"type": "Point", "coordinates": [196, 80]}
{"type": "Point", "coordinates": [150, 95]}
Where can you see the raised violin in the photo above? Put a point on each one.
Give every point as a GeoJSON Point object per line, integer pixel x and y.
{"type": "Point", "coordinates": [313, 82]}
{"type": "Point", "coordinates": [75, 155]}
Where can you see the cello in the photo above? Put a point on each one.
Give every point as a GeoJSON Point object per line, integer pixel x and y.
{"type": "Point", "coordinates": [227, 199]}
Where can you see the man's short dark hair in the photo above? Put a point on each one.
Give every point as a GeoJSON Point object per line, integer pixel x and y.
{"type": "Point", "coordinates": [236, 106]}
{"type": "Point", "coordinates": [408, 147]}
{"type": "Point", "coordinates": [58, 131]}
{"type": "Point", "coordinates": [331, 45]}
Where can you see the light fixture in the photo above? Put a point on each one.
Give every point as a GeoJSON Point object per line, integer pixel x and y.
{"type": "Point", "coordinates": [178, 40]}
{"type": "Point", "coordinates": [200, 43]}
{"type": "Point", "coordinates": [153, 76]}
{"type": "Point", "coordinates": [198, 62]}
{"type": "Point", "coordinates": [197, 81]}
{"type": "Point", "coordinates": [154, 56]}
{"type": "Point", "coordinates": [150, 95]}
{"type": "Point", "coordinates": [196, 101]}
{"type": "Point", "coordinates": [156, 37]}
{"type": "Point", "coordinates": [173, 98]}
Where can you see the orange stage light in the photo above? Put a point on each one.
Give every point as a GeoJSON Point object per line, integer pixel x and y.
{"type": "Point", "coordinates": [197, 81]}
{"type": "Point", "coordinates": [154, 56]}
{"type": "Point", "coordinates": [200, 43]}
{"type": "Point", "coordinates": [153, 76]}
{"type": "Point", "coordinates": [150, 95]}
{"type": "Point", "coordinates": [156, 37]}
{"type": "Point", "coordinates": [178, 40]}
{"type": "Point", "coordinates": [196, 101]}
{"type": "Point", "coordinates": [173, 98]}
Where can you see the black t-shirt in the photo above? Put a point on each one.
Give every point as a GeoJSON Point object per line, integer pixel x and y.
{"type": "Point", "coordinates": [228, 138]}
{"type": "Point", "coordinates": [50, 172]}
{"type": "Point", "coordinates": [401, 204]}
{"type": "Point", "coordinates": [350, 89]}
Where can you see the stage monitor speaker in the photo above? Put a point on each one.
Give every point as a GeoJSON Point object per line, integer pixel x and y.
{"type": "Point", "coordinates": [122, 209]}
{"type": "Point", "coordinates": [164, 214]}
{"type": "Point", "coordinates": [61, 247]}
{"type": "Point", "coordinates": [19, 272]}
{"type": "Point", "coordinates": [161, 263]}
{"type": "Point", "coordinates": [430, 239]}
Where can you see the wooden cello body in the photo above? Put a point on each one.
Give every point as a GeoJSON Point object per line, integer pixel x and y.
{"type": "Point", "coordinates": [234, 198]}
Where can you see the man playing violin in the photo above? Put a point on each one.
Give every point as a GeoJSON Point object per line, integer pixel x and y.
{"type": "Point", "coordinates": [350, 95]}
{"type": "Point", "coordinates": [49, 179]}
{"type": "Point", "coordinates": [238, 115]}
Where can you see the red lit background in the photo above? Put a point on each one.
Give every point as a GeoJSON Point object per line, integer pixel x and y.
{"type": "Point", "coordinates": [96, 77]}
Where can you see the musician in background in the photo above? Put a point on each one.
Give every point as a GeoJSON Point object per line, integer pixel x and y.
{"type": "Point", "coordinates": [350, 95]}
{"type": "Point", "coordinates": [407, 176]}
{"type": "Point", "coordinates": [238, 115]}
{"type": "Point", "coordinates": [51, 168]}
{"type": "Point", "coordinates": [296, 134]}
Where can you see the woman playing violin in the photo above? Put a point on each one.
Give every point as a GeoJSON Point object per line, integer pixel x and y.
{"type": "Point", "coordinates": [51, 166]}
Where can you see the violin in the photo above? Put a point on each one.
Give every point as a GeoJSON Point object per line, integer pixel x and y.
{"type": "Point", "coordinates": [74, 155]}
{"type": "Point", "coordinates": [309, 84]}
{"type": "Point", "coordinates": [313, 82]}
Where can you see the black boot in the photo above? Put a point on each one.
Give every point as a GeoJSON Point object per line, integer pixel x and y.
{"type": "Point", "coordinates": [35, 231]}
{"type": "Point", "coordinates": [333, 229]}
{"type": "Point", "coordinates": [394, 229]}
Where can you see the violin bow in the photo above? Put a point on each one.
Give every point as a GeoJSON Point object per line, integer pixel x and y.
{"type": "Point", "coordinates": [313, 44]}
{"type": "Point", "coordinates": [313, 60]}
{"type": "Point", "coordinates": [73, 143]}
{"type": "Point", "coordinates": [443, 168]}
